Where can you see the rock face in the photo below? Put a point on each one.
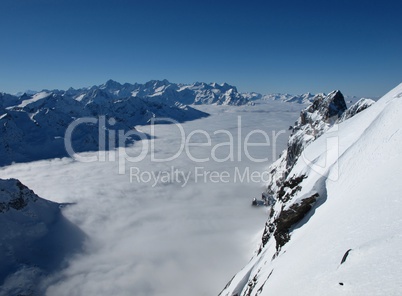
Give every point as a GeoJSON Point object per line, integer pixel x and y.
{"type": "Point", "coordinates": [297, 189]}
{"type": "Point", "coordinates": [322, 114]}
{"type": "Point", "coordinates": [280, 227]}
{"type": "Point", "coordinates": [312, 123]}
{"type": "Point", "coordinates": [35, 238]}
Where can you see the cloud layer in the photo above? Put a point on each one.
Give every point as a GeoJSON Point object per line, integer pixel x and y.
{"type": "Point", "coordinates": [166, 239]}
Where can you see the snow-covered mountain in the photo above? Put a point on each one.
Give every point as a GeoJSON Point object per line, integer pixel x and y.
{"type": "Point", "coordinates": [162, 90]}
{"type": "Point", "coordinates": [35, 238]}
{"type": "Point", "coordinates": [33, 127]}
{"type": "Point", "coordinates": [300, 99]}
{"type": "Point", "coordinates": [335, 226]}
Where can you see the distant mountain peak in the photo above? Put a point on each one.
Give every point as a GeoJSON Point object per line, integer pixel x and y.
{"type": "Point", "coordinates": [111, 84]}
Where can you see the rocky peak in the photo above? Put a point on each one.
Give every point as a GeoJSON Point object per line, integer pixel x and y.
{"type": "Point", "coordinates": [15, 195]}
{"type": "Point", "coordinates": [328, 106]}
{"type": "Point", "coordinates": [111, 84]}
{"type": "Point", "coordinates": [314, 120]}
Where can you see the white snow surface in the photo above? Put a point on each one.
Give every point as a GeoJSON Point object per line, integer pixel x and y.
{"type": "Point", "coordinates": [36, 97]}
{"type": "Point", "coordinates": [359, 208]}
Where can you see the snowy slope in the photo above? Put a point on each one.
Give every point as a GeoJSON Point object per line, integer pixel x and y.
{"type": "Point", "coordinates": [339, 233]}
{"type": "Point", "coordinates": [35, 238]}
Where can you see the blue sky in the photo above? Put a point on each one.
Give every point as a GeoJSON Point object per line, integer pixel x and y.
{"type": "Point", "coordinates": [264, 46]}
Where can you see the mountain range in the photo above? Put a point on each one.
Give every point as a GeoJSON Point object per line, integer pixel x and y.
{"type": "Point", "coordinates": [33, 126]}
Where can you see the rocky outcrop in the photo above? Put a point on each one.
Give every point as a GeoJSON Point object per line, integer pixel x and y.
{"type": "Point", "coordinates": [288, 218]}
{"type": "Point", "coordinates": [312, 123]}
{"type": "Point", "coordinates": [15, 195]}
{"type": "Point", "coordinates": [323, 113]}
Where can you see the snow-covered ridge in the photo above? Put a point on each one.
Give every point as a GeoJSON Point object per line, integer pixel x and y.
{"type": "Point", "coordinates": [163, 90]}
{"type": "Point", "coordinates": [335, 228]}
{"type": "Point", "coordinates": [35, 238]}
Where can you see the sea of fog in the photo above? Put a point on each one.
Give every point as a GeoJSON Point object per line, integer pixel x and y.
{"type": "Point", "coordinates": [177, 218]}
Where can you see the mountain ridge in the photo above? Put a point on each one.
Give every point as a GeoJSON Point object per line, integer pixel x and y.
{"type": "Point", "coordinates": [334, 228]}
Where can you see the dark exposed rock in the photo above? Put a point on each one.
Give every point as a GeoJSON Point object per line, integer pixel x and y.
{"type": "Point", "coordinates": [279, 227]}
{"type": "Point", "coordinates": [15, 195]}
{"type": "Point", "coordinates": [290, 217]}
{"type": "Point", "coordinates": [332, 105]}
{"type": "Point", "coordinates": [292, 183]}
{"type": "Point", "coordinates": [345, 256]}
{"type": "Point", "coordinates": [250, 286]}
{"type": "Point", "coordinates": [313, 122]}
{"type": "Point", "coordinates": [18, 203]}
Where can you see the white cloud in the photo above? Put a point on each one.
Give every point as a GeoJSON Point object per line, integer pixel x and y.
{"type": "Point", "coordinates": [161, 240]}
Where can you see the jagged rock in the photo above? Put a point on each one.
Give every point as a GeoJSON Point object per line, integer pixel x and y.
{"type": "Point", "coordinates": [312, 123]}
{"type": "Point", "coordinates": [15, 195]}
{"type": "Point", "coordinates": [290, 217]}
{"type": "Point", "coordinates": [284, 194]}
{"type": "Point", "coordinates": [314, 120]}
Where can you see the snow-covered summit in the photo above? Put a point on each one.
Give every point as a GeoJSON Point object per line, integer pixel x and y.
{"type": "Point", "coordinates": [335, 227]}
{"type": "Point", "coordinates": [163, 90]}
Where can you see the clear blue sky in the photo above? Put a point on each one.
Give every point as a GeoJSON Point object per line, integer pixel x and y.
{"type": "Point", "coordinates": [264, 46]}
